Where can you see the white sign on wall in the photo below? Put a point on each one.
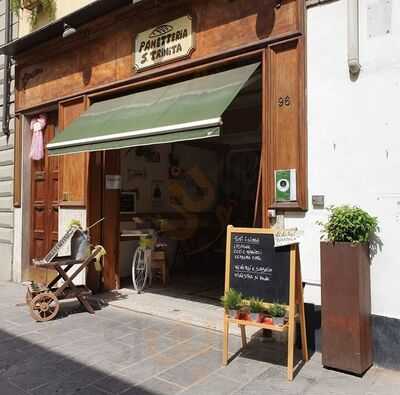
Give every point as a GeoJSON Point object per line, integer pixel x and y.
{"type": "Point", "coordinates": [284, 237]}
{"type": "Point", "coordinates": [113, 181]}
{"type": "Point", "coordinates": [170, 41]}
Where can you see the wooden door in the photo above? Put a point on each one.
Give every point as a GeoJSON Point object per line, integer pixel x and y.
{"type": "Point", "coordinates": [44, 197]}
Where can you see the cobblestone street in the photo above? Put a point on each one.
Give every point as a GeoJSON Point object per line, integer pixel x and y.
{"type": "Point", "coordinates": [118, 351]}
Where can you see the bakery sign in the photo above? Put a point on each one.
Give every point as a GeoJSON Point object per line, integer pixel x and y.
{"type": "Point", "coordinates": [165, 43]}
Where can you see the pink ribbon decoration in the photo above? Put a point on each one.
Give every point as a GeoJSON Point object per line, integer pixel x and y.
{"type": "Point", "coordinates": [37, 126]}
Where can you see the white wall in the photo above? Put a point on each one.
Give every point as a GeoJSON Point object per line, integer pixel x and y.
{"type": "Point", "coordinates": [354, 142]}
{"type": "Point", "coordinates": [62, 8]}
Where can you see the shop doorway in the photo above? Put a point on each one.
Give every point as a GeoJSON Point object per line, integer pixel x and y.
{"type": "Point", "coordinates": [189, 192]}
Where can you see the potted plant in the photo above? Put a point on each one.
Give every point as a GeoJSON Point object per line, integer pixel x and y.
{"type": "Point", "coordinates": [346, 289]}
{"type": "Point", "coordinates": [36, 8]}
{"type": "Point", "coordinates": [244, 312]}
{"type": "Point", "coordinates": [232, 301]}
{"type": "Point", "coordinates": [267, 319]}
{"type": "Point", "coordinates": [277, 312]}
{"type": "Point", "coordinates": [256, 307]}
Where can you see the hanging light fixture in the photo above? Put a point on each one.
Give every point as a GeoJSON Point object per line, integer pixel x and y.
{"type": "Point", "coordinates": [68, 30]}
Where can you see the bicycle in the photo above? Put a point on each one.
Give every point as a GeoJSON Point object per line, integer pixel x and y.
{"type": "Point", "coordinates": [141, 262]}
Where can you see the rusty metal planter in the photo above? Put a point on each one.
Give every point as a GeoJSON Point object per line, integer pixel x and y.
{"type": "Point", "coordinates": [346, 307]}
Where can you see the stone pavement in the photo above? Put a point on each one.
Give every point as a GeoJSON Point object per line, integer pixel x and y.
{"type": "Point", "coordinates": [118, 351]}
{"type": "Point", "coordinates": [169, 306]}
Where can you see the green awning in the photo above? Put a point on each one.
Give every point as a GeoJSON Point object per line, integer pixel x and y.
{"type": "Point", "coordinates": [187, 110]}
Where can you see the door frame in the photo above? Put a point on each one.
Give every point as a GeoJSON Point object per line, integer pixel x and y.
{"type": "Point", "coordinates": [23, 214]}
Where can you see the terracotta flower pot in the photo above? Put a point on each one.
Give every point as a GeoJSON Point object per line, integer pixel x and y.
{"type": "Point", "coordinates": [268, 320]}
{"type": "Point", "coordinates": [257, 317]}
{"type": "Point", "coordinates": [30, 4]}
{"type": "Point", "coordinates": [244, 314]}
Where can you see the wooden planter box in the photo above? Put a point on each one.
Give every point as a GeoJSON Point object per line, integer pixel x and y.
{"type": "Point", "coordinates": [346, 307]}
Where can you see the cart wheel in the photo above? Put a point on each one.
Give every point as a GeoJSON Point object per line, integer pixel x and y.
{"type": "Point", "coordinates": [44, 307]}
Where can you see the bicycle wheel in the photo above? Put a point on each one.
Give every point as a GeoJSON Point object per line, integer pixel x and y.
{"type": "Point", "coordinates": [139, 269]}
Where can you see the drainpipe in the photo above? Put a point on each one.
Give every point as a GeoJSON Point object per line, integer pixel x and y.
{"type": "Point", "coordinates": [6, 77]}
{"type": "Point", "coordinates": [353, 37]}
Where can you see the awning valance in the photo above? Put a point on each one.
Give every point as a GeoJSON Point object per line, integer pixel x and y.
{"type": "Point", "coordinates": [186, 110]}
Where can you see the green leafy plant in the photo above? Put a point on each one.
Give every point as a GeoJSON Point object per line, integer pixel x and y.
{"type": "Point", "coordinates": [232, 300]}
{"type": "Point", "coordinates": [36, 9]}
{"type": "Point", "coordinates": [277, 310]}
{"type": "Point", "coordinates": [256, 305]}
{"type": "Point", "coordinates": [349, 224]}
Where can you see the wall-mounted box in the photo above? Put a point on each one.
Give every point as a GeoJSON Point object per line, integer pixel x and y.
{"type": "Point", "coordinates": [318, 201]}
{"type": "Point", "coordinates": [285, 185]}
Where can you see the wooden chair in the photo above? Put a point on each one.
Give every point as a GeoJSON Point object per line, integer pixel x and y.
{"type": "Point", "coordinates": [159, 265]}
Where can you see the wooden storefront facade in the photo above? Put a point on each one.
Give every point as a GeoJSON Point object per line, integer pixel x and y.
{"type": "Point", "coordinates": [66, 76]}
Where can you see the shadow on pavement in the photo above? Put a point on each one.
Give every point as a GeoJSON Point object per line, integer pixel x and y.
{"type": "Point", "coordinates": [52, 358]}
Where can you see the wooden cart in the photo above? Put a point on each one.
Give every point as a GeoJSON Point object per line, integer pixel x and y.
{"type": "Point", "coordinates": [43, 300]}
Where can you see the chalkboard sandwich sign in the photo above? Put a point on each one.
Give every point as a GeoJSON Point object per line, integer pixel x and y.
{"type": "Point", "coordinates": [257, 269]}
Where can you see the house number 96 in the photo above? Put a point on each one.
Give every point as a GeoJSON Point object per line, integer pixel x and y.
{"type": "Point", "coordinates": [284, 101]}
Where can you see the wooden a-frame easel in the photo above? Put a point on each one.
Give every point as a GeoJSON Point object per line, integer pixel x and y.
{"type": "Point", "coordinates": [295, 308]}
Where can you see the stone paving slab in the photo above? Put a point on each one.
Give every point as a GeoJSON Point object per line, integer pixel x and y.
{"type": "Point", "coordinates": [213, 383]}
{"type": "Point", "coordinates": [123, 352]}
